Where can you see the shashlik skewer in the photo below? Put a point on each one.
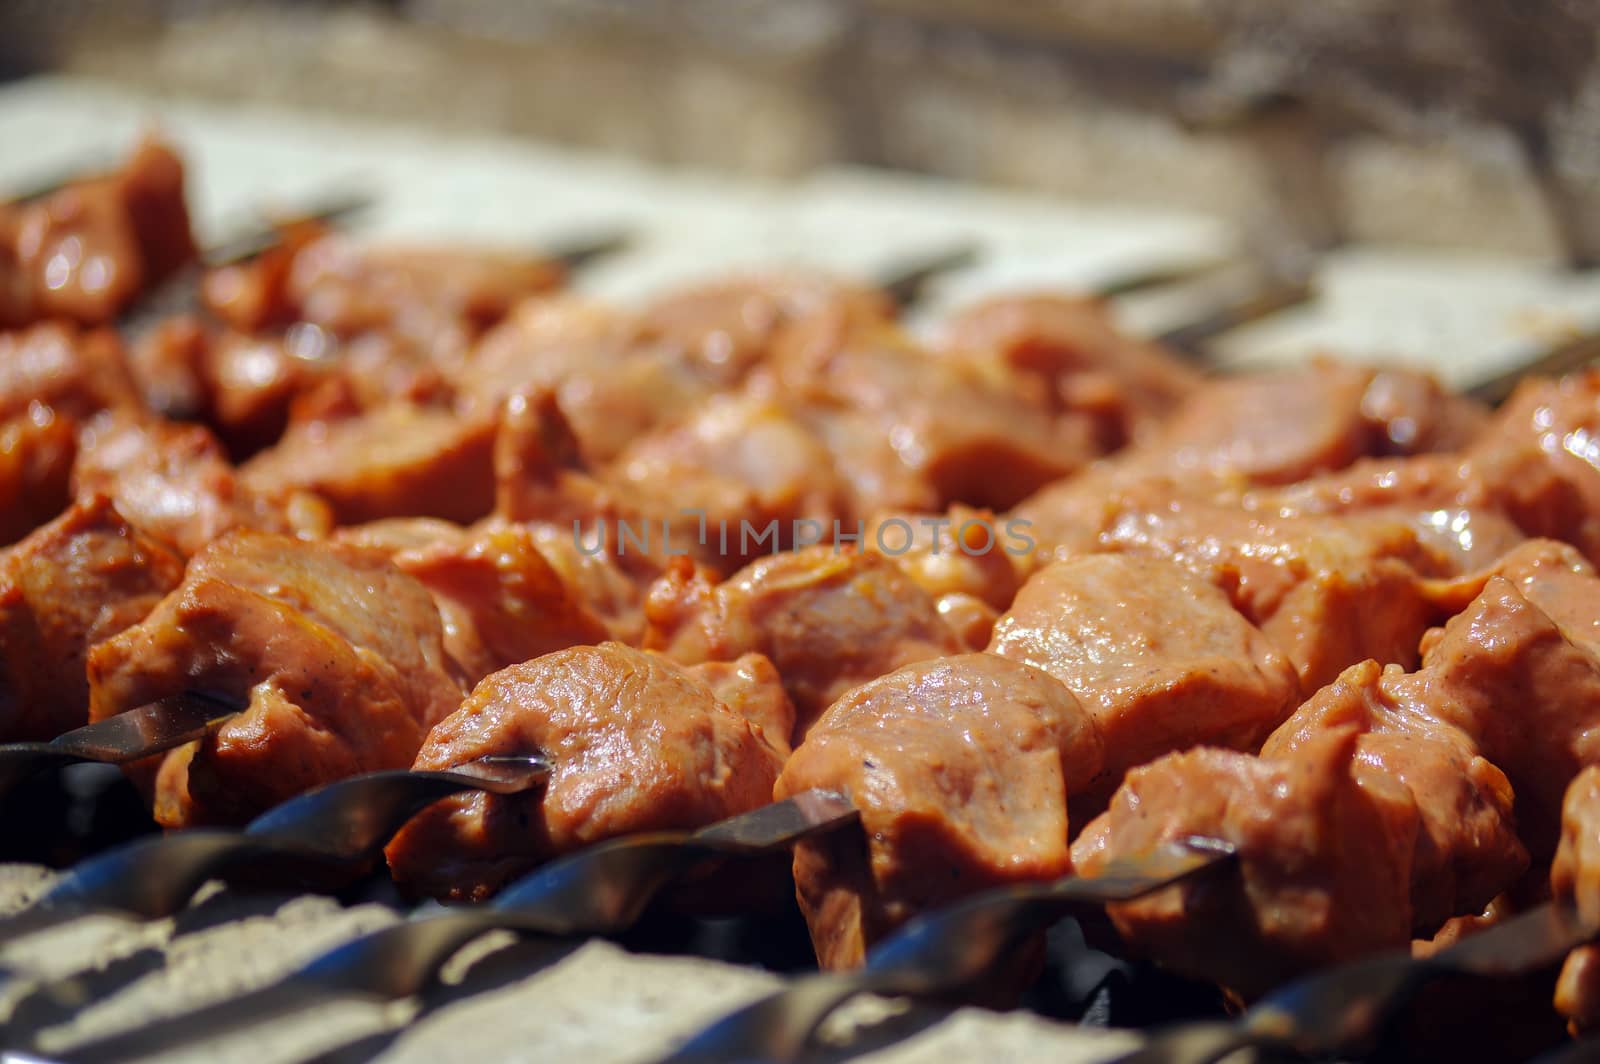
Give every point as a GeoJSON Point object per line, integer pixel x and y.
{"type": "Point", "coordinates": [329, 830]}
{"type": "Point", "coordinates": [122, 739]}
{"type": "Point", "coordinates": [948, 952]}
{"type": "Point", "coordinates": [601, 890]}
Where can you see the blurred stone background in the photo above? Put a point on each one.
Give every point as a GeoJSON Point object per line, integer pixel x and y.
{"type": "Point", "coordinates": [1445, 123]}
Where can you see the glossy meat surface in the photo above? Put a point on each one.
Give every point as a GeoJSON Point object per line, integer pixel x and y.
{"type": "Point", "coordinates": [85, 252]}
{"type": "Point", "coordinates": [961, 768]}
{"type": "Point", "coordinates": [1324, 859]}
{"type": "Point", "coordinates": [334, 656]}
{"type": "Point", "coordinates": [1575, 877]}
{"type": "Point", "coordinates": [1126, 386]}
{"type": "Point", "coordinates": [828, 620]}
{"type": "Point", "coordinates": [1159, 658]}
{"type": "Point", "coordinates": [173, 481]}
{"type": "Point", "coordinates": [81, 579]}
{"type": "Point", "coordinates": [398, 460]}
{"type": "Point", "coordinates": [501, 601]}
{"type": "Point", "coordinates": [637, 743]}
{"type": "Point", "coordinates": [37, 450]}
{"type": "Point", "coordinates": [1328, 592]}
{"type": "Point", "coordinates": [57, 367]}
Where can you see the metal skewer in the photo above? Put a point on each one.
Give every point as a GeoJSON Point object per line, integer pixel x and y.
{"type": "Point", "coordinates": [132, 736]}
{"type": "Point", "coordinates": [941, 953]}
{"type": "Point", "coordinates": [340, 825]}
{"type": "Point", "coordinates": [1344, 1010]}
{"type": "Point", "coordinates": [599, 890]}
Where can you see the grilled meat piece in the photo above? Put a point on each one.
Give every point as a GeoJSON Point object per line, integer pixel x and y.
{"type": "Point", "coordinates": [1467, 850]}
{"type": "Point", "coordinates": [1530, 471]}
{"type": "Point", "coordinates": [401, 459]}
{"type": "Point", "coordinates": [727, 328]}
{"type": "Point", "coordinates": [1158, 657]}
{"type": "Point", "coordinates": [1539, 459]}
{"type": "Point", "coordinates": [737, 461]}
{"type": "Point", "coordinates": [961, 768]}
{"type": "Point", "coordinates": [609, 386]}
{"type": "Point", "coordinates": [829, 619]}
{"type": "Point", "coordinates": [37, 450]}
{"type": "Point", "coordinates": [911, 429]}
{"type": "Point", "coordinates": [1328, 592]}
{"type": "Point", "coordinates": [72, 372]}
{"type": "Point", "coordinates": [1324, 859]}
{"type": "Point", "coordinates": [501, 601]}
{"type": "Point", "coordinates": [79, 580]}
{"type": "Point", "coordinates": [1284, 426]}
{"type": "Point", "coordinates": [1278, 430]}
{"type": "Point", "coordinates": [173, 481]}
{"type": "Point", "coordinates": [1575, 877]}
{"type": "Point", "coordinates": [637, 744]}
{"type": "Point", "coordinates": [1126, 386]}
{"type": "Point", "coordinates": [436, 300]}
{"type": "Point", "coordinates": [335, 657]}
{"type": "Point", "coordinates": [1469, 758]}
{"type": "Point", "coordinates": [1525, 685]}
{"type": "Point", "coordinates": [85, 252]}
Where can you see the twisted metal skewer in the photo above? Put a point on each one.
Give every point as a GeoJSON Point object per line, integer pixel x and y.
{"type": "Point", "coordinates": [1345, 1010]}
{"type": "Point", "coordinates": [340, 825]}
{"type": "Point", "coordinates": [603, 889]}
{"type": "Point", "coordinates": [132, 736]}
{"type": "Point", "coordinates": [942, 953]}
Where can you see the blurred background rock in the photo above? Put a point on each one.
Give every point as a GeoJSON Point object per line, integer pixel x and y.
{"type": "Point", "coordinates": [1457, 123]}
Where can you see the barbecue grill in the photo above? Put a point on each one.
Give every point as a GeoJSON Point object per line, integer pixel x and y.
{"type": "Point", "coordinates": [94, 970]}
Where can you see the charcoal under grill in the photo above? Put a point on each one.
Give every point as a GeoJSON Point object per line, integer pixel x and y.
{"type": "Point", "coordinates": [631, 997]}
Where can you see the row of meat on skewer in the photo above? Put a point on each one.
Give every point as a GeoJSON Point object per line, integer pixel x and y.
{"type": "Point", "coordinates": [1034, 594]}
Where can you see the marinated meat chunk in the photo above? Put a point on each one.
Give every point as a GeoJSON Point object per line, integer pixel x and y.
{"type": "Point", "coordinates": [1505, 699]}
{"type": "Point", "coordinates": [436, 298]}
{"type": "Point", "coordinates": [828, 619]}
{"type": "Point", "coordinates": [612, 383]}
{"type": "Point", "coordinates": [541, 341]}
{"type": "Point", "coordinates": [1456, 516]}
{"type": "Point", "coordinates": [961, 769]}
{"type": "Point", "coordinates": [1410, 412]}
{"type": "Point", "coordinates": [55, 366]}
{"type": "Point", "coordinates": [1528, 471]}
{"type": "Point", "coordinates": [968, 559]}
{"type": "Point", "coordinates": [961, 551]}
{"type": "Point", "coordinates": [1467, 850]}
{"type": "Point", "coordinates": [86, 251]}
{"type": "Point", "coordinates": [167, 364]}
{"type": "Point", "coordinates": [1550, 574]}
{"type": "Point", "coordinates": [173, 481]}
{"type": "Point", "coordinates": [77, 581]}
{"type": "Point", "coordinates": [397, 460]}
{"type": "Point", "coordinates": [1158, 657]}
{"type": "Point", "coordinates": [334, 656]}
{"type": "Point", "coordinates": [1323, 871]}
{"type": "Point", "coordinates": [752, 688]}
{"type": "Point", "coordinates": [637, 744]}
{"type": "Point", "coordinates": [1509, 675]}
{"type": "Point", "coordinates": [611, 587]}
{"type": "Point", "coordinates": [725, 329]}
{"type": "Point", "coordinates": [1127, 386]}
{"type": "Point", "coordinates": [1328, 592]}
{"type": "Point", "coordinates": [36, 454]}
{"type": "Point", "coordinates": [737, 462]}
{"type": "Point", "coordinates": [1284, 426]}
{"type": "Point", "coordinates": [500, 601]}
{"type": "Point", "coordinates": [1539, 459]}
{"type": "Point", "coordinates": [954, 430]}
{"type": "Point", "coordinates": [1575, 877]}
